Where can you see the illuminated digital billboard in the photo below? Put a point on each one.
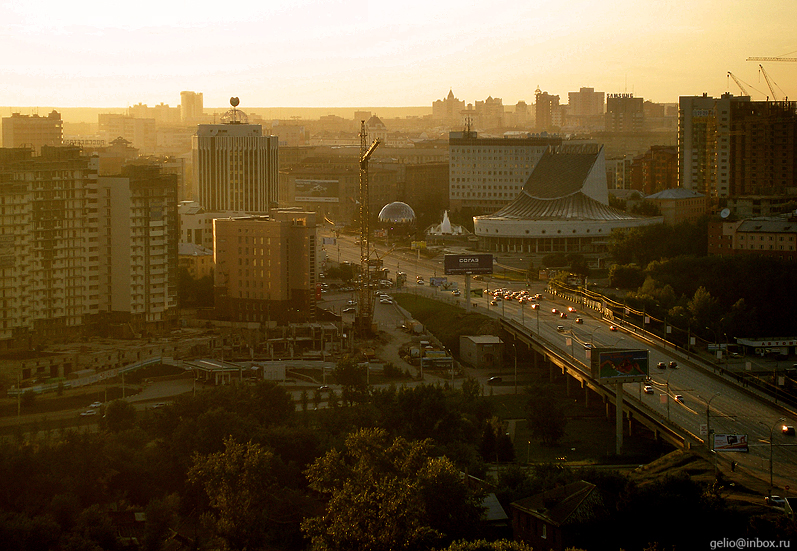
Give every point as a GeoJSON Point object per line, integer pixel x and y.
{"type": "Point", "coordinates": [618, 365]}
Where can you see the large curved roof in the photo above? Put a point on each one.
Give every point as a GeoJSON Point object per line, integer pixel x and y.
{"type": "Point", "coordinates": [559, 174]}
{"type": "Point", "coordinates": [576, 206]}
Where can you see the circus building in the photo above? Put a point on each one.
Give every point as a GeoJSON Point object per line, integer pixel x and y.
{"type": "Point", "coordinates": [563, 208]}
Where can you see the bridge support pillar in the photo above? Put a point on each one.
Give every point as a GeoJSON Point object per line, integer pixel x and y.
{"type": "Point", "coordinates": [619, 418]}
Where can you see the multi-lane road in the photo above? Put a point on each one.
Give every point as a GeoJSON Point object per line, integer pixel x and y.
{"type": "Point", "coordinates": [706, 400]}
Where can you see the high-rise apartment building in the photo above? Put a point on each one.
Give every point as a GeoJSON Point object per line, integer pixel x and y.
{"type": "Point", "coordinates": [236, 168]}
{"type": "Point", "coordinates": [547, 111]}
{"type": "Point", "coordinates": [138, 236]}
{"type": "Point", "coordinates": [585, 103]}
{"type": "Point", "coordinates": [704, 146]}
{"type": "Point", "coordinates": [191, 105]}
{"type": "Point", "coordinates": [266, 267]}
{"type": "Point", "coordinates": [49, 244]}
{"type": "Point", "coordinates": [487, 173]}
{"type": "Point", "coordinates": [448, 110]}
{"type": "Point", "coordinates": [33, 131]}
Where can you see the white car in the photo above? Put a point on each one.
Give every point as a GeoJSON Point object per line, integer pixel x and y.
{"type": "Point", "coordinates": [88, 413]}
{"type": "Point", "coordinates": [95, 405]}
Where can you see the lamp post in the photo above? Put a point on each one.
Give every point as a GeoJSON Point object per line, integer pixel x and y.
{"type": "Point", "coordinates": [771, 430]}
{"type": "Point", "coordinates": [708, 422]}
{"type": "Point", "coordinates": [514, 349]}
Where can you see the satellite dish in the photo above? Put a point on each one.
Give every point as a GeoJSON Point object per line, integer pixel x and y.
{"type": "Point", "coordinates": [725, 213]}
{"type": "Point", "coordinates": [234, 102]}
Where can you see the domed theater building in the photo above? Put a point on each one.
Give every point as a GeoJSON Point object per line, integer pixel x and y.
{"type": "Point", "coordinates": [563, 208]}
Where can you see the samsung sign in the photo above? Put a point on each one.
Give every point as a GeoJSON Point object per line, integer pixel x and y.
{"type": "Point", "coordinates": [468, 264]}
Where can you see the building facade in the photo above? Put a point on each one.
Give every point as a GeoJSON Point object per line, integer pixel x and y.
{"type": "Point", "coordinates": [655, 170]}
{"type": "Point", "coordinates": [487, 173]}
{"type": "Point", "coordinates": [266, 267]}
{"type": "Point", "coordinates": [33, 131]}
{"type": "Point", "coordinates": [236, 168]}
{"type": "Point", "coordinates": [140, 133]}
{"type": "Point", "coordinates": [191, 105]}
{"type": "Point", "coordinates": [680, 205]}
{"type": "Point", "coordinates": [448, 111]}
{"type": "Point", "coordinates": [586, 103]}
{"type": "Point", "coordinates": [624, 114]}
{"type": "Point", "coordinates": [774, 236]}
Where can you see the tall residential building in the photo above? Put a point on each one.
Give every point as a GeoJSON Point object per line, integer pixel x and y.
{"type": "Point", "coordinates": [585, 103]}
{"type": "Point", "coordinates": [191, 105]}
{"type": "Point", "coordinates": [138, 236]}
{"type": "Point", "coordinates": [487, 173]}
{"type": "Point", "coordinates": [49, 245]}
{"type": "Point", "coordinates": [33, 131]}
{"type": "Point", "coordinates": [266, 267]}
{"type": "Point", "coordinates": [236, 168]}
{"type": "Point", "coordinates": [624, 113]}
{"type": "Point", "coordinates": [547, 111]}
{"type": "Point", "coordinates": [655, 170]}
{"type": "Point", "coordinates": [448, 110]}
{"type": "Point", "coordinates": [704, 146]}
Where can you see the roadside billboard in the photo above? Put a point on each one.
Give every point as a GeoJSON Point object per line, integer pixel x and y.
{"type": "Point", "coordinates": [730, 443]}
{"type": "Point", "coordinates": [316, 191]}
{"type": "Point", "coordinates": [455, 264]}
{"type": "Point", "coordinates": [619, 365]}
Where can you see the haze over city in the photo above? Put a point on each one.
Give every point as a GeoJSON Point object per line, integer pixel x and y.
{"type": "Point", "coordinates": [364, 53]}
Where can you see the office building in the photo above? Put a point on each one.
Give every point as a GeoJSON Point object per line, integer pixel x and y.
{"type": "Point", "coordinates": [236, 168]}
{"type": "Point", "coordinates": [33, 131]}
{"type": "Point", "coordinates": [266, 267]}
{"type": "Point", "coordinates": [624, 114]}
{"type": "Point", "coordinates": [487, 173]}
{"type": "Point", "coordinates": [585, 103]}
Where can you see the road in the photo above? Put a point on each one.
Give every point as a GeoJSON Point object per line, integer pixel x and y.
{"type": "Point", "coordinates": [707, 399]}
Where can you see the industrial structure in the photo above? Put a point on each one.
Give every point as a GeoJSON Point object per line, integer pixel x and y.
{"type": "Point", "coordinates": [365, 291]}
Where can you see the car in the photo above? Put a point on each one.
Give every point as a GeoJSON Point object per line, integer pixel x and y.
{"type": "Point", "coordinates": [563, 315]}
{"type": "Point", "coordinates": [352, 303]}
{"type": "Point", "coordinates": [420, 282]}
{"type": "Point", "coordinates": [159, 405]}
{"type": "Point", "coordinates": [95, 405]}
{"type": "Point", "coordinates": [587, 346]}
{"type": "Point", "coordinates": [349, 310]}
{"type": "Point", "coordinates": [456, 292]}
{"type": "Point", "coordinates": [678, 398]}
{"type": "Point", "coordinates": [494, 303]}
{"type": "Point", "coordinates": [560, 328]}
{"type": "Point", "coordinates": [787, 430]}
{"type": "Point", "coordinates": [535, 306]}
{"type": "Point", "coordinates": [571, 309]}
{"type": "Point", "coordinates": [647, 389]}
{"type": "Point", "coordinates": [88, 413]}
{"type": "Point", "coordinates": [323, 388]}
{"type": "Point", "coordinates": [661, 365]}
{"type": "Point", "coordinates": [612, 328]}
{"type": "Point", "coordinates": [385, 301]}
{"type": "Point", "coordinates": [673, 364]}
{"type": "Point", "coordinates": [579, 320]}
{"type": "Point", "coordinates": [494, 380]}
{"type": "Point", "coordinates": [775, 501]}
{"type": "Point", "coordinates": [554, 311]}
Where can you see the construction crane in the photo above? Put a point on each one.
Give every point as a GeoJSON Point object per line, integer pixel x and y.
{"type": "Point", "coordinates": [772, 59]}
{"type": "Point", "coordinates": [365, 294]}
{"type": "Point", "coordinates": [769, 82]}
{"type": "Point", "coordinates": [742, 85]}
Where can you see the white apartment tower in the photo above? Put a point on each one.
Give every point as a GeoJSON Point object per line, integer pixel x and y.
{"type": "Point", "coordinates": [487, 173]}
{"type": "Point", "coordinates": [235, 168]}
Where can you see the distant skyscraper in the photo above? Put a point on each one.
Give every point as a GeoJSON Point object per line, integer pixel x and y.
{"type": "Point", "coordinates": [546, 109]}
{"type": "Point", "coordinates": [33, 131]}
{"type": "Point", "coordinates": [448, 110]}
{"type": "Point", "coordinates": [585, 103]}
{"type": "Point", "coordinates": [624, 113]}
{"type": "Point", "coordinates": [191, 105]}
{"type": "Point", "coordinates": [235, 168]}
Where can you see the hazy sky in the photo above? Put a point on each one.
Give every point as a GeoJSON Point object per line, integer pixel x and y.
{"type": "Point", "coordinates": [349, 53]}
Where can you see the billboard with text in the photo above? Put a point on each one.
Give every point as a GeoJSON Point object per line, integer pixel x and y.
{"type": "Point", "coordinates": [317, 191]}
{"type": "Point", "coordinates": [468, 264]}
{"type": "Point", "coordinates": [730, 443]}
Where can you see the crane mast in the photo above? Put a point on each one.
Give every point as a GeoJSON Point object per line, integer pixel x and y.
{"type": "Point", "coordinates": [365, 295]}
{"type": "Point", "coordinates": [769, 82]}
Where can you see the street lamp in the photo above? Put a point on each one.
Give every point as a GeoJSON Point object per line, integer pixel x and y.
{"type": "Point", "coordinates": [708, 421]}
{"type": "Point", "coordinates": [514, 348]}
{"type": "Point", "coordinates": [771, 430]}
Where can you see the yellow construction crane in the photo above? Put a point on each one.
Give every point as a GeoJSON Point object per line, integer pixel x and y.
{"type": "Point", "coordinates": [742, 85]}
{"type": "Point", "coordinates": [769, 82]}
{"type": "Point", "coordinates": [365, 294]}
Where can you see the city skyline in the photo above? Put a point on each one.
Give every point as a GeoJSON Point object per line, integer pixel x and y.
{"type": "Point", "coordinates": [308, 53]}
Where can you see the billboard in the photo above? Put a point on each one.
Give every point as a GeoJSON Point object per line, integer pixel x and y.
{"type": "Point", "coordinates": [617, 365]}
{"type": "Point", "coordinates": [455, 264]}
{"type": "Point", "coordinates": [316, 191]}
{"type": "Point", "coordinates": [730, 443]}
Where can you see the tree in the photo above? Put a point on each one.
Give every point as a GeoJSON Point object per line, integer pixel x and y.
{"type": "Point", "coordinates": [352, 378]}
{"type": "Point", "coordinates": [241, 484]}
{"type": "Point", "coordinates": [545, 415]}
{"type": "Point", "coordinates": [386, 495]}
{"type": "Point", "coordinates": [703, 308]}
{"type": "Point", "coordinates": [120, 415]}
